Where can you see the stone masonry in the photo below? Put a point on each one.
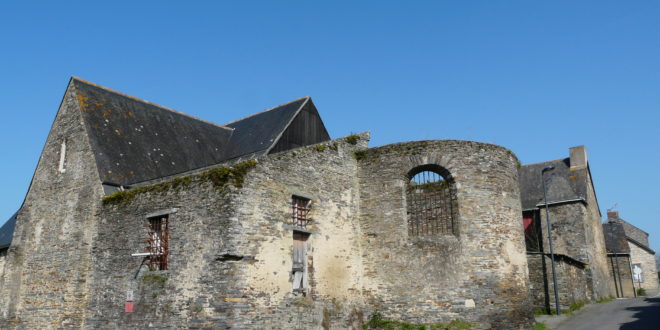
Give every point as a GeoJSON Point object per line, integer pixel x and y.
{"type": "Point", "coordinates": [49, 262]}
{"type": "Point", "coordinates": [231, 240]}
{"type": "Point", "coordinates": [641, 254]}
{"type": "Point", "coordinates": [649, 279]}
{"type": "Point", "coordinates": [582, 265]}
{"type": "Point", "coordinates": [483, 264]}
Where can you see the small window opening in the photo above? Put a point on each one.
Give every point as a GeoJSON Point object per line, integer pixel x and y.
{"type": "Point", "coordinates": [158, 242]}
{"type": "Point", "coordinates": [61, 168]}
{"type": "Point", "coordinates": [637, 273]}
{"type": "Point", "coordinates": [299, 269]}
{"type": "Point", "coordinates": [430, 203]}
{"type": "Point", "coordinates": [301, 207]}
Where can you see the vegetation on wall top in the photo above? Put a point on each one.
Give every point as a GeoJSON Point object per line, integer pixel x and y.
{"type": "Point", "coordinates": [353, 139]}
{"type": "Point", "coordinates": [218, 176]}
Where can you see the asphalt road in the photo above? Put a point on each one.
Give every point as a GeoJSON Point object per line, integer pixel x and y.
{"type": "Point", "coordinates": [627, 314]}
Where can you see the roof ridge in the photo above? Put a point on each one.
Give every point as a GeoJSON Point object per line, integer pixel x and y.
{"type": "Point", "coordinates": [134, 98]}
{"type": "Point", "coordinates": [269, 109]}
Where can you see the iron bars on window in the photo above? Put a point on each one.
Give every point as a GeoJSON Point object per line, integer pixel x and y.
{"type": "Point", "coordinates": [158, 242]}
{"type": "Point", "coordinates": [301, 207]}
{"type": "Point", "coordinates": [430, 204]}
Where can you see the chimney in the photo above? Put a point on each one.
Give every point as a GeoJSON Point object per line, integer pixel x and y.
{"type": "Point", "coordinates": [612, 216]}
{"type": "Point", "coordinates": [578, 157]}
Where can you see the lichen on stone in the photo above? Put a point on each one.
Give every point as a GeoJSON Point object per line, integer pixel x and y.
{"type": "Point", "coordinates": [154, 280]}
{"type": "Point", "coordinates": [360, 154]}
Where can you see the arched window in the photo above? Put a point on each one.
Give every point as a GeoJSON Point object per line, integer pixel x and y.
{"type": "Point", "coordinates": [431, 202]}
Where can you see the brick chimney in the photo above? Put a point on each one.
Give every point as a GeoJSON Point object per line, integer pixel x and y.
{"type": "Point", "coordinates": [578, 157]}
{"type": "Point", "coordinates": [612, 216]}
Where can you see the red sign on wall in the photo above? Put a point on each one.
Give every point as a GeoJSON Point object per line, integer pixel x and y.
{"type": "Point", "coordinates": [129, 307]}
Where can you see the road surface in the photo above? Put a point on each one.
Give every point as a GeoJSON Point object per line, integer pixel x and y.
{"type": "Point", "coordinates": [626, 314]}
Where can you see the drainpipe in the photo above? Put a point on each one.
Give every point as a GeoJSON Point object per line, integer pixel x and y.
{"type": "Point", "coordinates": [552, 254]}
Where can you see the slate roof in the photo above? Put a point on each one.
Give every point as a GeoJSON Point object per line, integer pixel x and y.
{"type": "Point", "coordinates": [563, 184]}
{"type": "Point", "coordinates": [615, 238]}
{"type": "Point", "coordinates": [630, 232]}
{"type": "Point", "coordinates": [7, 232]}
{"type": "Point", "coordinates": [135, 141]}
{"type": "Point", "coordinates": [257, 133]}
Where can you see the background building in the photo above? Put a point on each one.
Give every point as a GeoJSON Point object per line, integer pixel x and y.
{"type": "Point", "coordinates": [618, 254]}
{"type": "Point", "coordinates": [636, 241]}
{"type": "Point", "coordinates": [579, 246]}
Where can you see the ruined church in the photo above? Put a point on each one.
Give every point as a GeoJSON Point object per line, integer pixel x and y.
{"type": "Point", "coordinates": [141, 216]}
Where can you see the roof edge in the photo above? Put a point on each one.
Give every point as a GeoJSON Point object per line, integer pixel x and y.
{"type": "Point", "coordinates": [110, 90]}
{"type": "Point", "coordinates": [640, 245]}
{"type": "Point", "coordinates": [279, 136]}
{"type": "Point", "coordinates": [269, 109]}
{"type": "Point", "coordinates": [619, 219]}
{"type": "Point", "coordinates": [7, 223]}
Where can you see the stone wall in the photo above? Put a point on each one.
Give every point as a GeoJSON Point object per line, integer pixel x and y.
{"type": "Point", "coordinates": [568, 230]}
{"type": "Point", "coordinates": [479, 274]}
{"type": "Point", "coordinates": [3, 258]}
{"type": "Point", "coordinates": [578, 234]}
{"type": "Point", "coordinates": [202, 228]}
{"type": "Point", "coordinates": [619, 267]}
{"type": "Point", "coordinates": [572, 281]}
{"type": "Point", "coordinates": [231, 250]}
{"type": "Point", "coordinates": [46, 275]}
{"type": "Point", "coordinates": [599, 276]}
{"type": "Point", "coordinates": [649, 271]}
{"type": "Point", "coordinates": [231, 242]}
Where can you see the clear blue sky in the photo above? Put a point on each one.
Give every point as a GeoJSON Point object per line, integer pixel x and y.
{"type": "Point", "coordinates": [537, 77]}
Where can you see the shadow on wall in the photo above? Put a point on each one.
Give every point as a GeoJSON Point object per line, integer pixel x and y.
{"type": "Point", "coordinates": [647, 316]}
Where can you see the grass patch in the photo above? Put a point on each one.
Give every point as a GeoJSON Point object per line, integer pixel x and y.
{"type": "Point", "coordinates": [576, 305]}
{"type": "Point", "coordinates": [641, 292]}
{"type": "Point", "coordinates": [218, 176]}
{"type": "Point", "coordinates": [320, 148]}
{"type": "Point", "coordinates": [604, 300]}
{"type": "Point", "coordinates": [376, 321]}
{"type": "Point", "coordinates": [539, 312]}
{"type": "Point", "coordinates": [539, 326]}
{"type": "Point", "coordinates": [304, 302]}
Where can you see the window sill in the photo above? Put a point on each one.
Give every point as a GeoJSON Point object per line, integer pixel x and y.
{"type": "Point", "coordinates": [299, 229]}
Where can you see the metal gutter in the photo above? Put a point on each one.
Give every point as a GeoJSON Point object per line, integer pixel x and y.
{"type": "Point", "coordinates": [561, 202]}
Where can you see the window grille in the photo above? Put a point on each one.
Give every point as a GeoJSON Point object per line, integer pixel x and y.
{"type": "Point", "coordinates": [431, 204]}
{"type": "Point", "coordinates": [158, 242]}
{"type": "Point", "coordinates": [301, 207]}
